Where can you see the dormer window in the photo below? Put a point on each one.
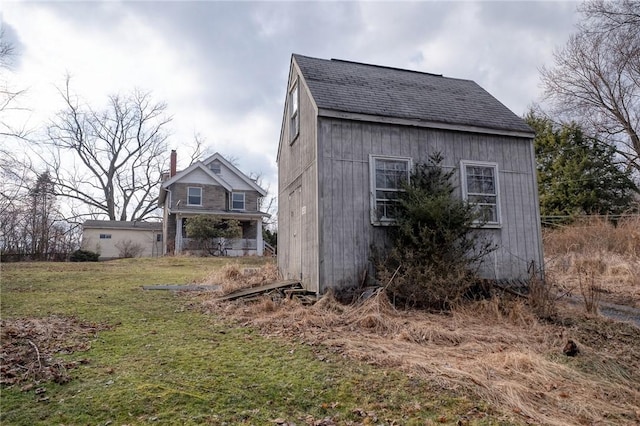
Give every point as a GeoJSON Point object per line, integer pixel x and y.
{"type": "Point", "coordinates": [237, 201]}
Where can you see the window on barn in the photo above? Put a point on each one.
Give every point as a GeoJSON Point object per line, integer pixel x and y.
{"type": "Point", "coordinates": [237, 201]}
{"type": "Point", "coordinates": [480, 187]}
{"type": "Point", "coordinates": [388, 175]}
{"type": "Point", "coordinates": [194, 196]}
{"type": "Point", "coordinates": [294, 116]}
{"type": "Point", "coordinates": [105, 236]}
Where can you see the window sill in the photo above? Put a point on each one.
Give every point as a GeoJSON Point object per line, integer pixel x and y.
{"type": "Point", "coordinates": [384, 223]}
{"type": "Point", "coordinates": [487, 225]}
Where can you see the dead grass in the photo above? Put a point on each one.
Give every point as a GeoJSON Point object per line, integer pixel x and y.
{"type": "Point", "coordinates": [595, 250]}
{"type": "Point", "coordinates": [235, 276]}
{"type": "Point", "coordinates": [496, 349]}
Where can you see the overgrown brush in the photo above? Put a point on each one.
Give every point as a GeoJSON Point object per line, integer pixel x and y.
{"type": "Point", "coordinates": [595, 235]}
{"type": "Point", "coordinates": [595, 258]}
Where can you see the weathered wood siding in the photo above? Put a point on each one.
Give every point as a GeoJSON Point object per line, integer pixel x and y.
{"type": "Point", "coordinates": [346, 232]}
{"type": "Point", "coordinates": [297, 194]}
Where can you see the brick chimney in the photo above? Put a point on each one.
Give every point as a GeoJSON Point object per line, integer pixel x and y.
{"type": "Point", "coordinates": [174, 161]}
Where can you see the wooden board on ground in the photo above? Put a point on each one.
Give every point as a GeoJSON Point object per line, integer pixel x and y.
{"type": "Point", "coordinates": [247, 292]}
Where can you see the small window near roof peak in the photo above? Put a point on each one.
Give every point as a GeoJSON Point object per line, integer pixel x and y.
{"type": "Point", "coordinates": [215, 167]}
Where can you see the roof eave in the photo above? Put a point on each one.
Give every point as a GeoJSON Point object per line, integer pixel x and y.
{"type": "Point", "coordinates": [330, 113]}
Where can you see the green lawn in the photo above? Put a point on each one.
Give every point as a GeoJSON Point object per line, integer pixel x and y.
{"type": "Point", "coordinates": [165, 362]}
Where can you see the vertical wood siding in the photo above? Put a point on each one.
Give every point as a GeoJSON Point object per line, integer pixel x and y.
{"type": "Point", "coordinates": [344, 194]}
{"type": "Point", "coordinates": [297, 171]}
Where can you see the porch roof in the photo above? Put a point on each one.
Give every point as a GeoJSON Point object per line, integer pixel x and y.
{"type": "Point", "coordinates": [222, 213]}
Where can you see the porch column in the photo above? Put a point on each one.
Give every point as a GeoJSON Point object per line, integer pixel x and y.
{"type": "Point", "coordinates": [259, 242]}
{"type": "Point", "coordinates": [178, 248]}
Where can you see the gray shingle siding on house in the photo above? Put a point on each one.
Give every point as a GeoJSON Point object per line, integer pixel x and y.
{"type": "Point", "coordinates": [381, 91]}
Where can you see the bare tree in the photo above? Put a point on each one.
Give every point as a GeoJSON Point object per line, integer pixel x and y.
{"type": "Point", "coordinates": [112, 159]}
{"type": "Point", "coordinates": [596, 77]}
{"type": "Point", "coordinates": [8, 95]}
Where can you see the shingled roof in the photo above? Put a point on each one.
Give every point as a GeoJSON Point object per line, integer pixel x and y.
{"type": "Point", "coordinates": [120, 224]}
{"type": "Point", "coordinates": [352, 87]}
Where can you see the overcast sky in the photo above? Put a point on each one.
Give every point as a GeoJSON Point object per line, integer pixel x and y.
{"type": "Point", "coordinates": [222, 66]}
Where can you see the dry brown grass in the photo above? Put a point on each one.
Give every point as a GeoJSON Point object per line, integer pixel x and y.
{"type": "Point", "coordinates": [597, 252]}
{"type": "Point", "coordinates": [496, 349]}
{"type": "Point", "coordinates": [235, 276]}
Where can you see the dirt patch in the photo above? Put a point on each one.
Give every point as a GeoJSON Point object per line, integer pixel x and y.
{"type": "Point", "coordinates": [495, 349]}
{"type": "Point", "coordinates": [29, 347]}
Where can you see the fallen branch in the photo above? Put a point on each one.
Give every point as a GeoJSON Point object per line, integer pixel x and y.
{"type": "Point", "coordinates": [37, 353]}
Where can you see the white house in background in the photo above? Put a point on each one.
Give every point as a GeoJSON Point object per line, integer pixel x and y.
{"type": "Point", "coordinates": [109, 238]}
{"type": "Point", "coordinates": [211, 187]}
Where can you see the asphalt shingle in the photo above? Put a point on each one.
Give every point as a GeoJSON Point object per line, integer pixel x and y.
{"type": "Point", "coordinates": [391, 92]}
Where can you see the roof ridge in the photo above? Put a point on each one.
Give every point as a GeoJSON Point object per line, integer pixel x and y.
{"type": "Point", "coordinates": [388, 67]}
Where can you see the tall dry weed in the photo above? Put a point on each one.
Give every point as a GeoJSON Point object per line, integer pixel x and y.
{"type": "Point", "coordinates": [594, 258]}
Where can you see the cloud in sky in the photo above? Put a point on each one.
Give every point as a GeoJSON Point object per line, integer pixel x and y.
{"type": "Point", "coordinates": [222, 66]}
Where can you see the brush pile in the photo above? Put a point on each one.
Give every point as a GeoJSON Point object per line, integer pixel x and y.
{"type": "Point", "coordinates": [29, 346]}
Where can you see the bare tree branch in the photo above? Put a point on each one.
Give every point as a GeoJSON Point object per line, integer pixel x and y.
{"type": "Point", "coordinates": [596, 77]}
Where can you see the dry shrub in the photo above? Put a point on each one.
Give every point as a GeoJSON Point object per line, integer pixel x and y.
{"type": "Point", "coordinates": [590, 290]}
{"type": "Point", "coordinates": [542, 298]}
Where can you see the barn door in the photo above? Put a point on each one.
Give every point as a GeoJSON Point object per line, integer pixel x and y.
{"type": "Point", "coordinates": [295, 234]}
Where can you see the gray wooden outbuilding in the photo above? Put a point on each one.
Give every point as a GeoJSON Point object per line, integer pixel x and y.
{"type": "Point", "coordinates": [351, 131]}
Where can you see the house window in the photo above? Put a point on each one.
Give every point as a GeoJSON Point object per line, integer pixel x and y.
{"type": "Point", "coordinates": [216, 168]}
{"type": "Point", "coordinates": [194, 196]}
{"type": "Point", "coordinates": [480, 187]}
{"type": "Point", "coordinates": [105, 236]}
{"type": "Point", "coordinates": [294, 116]}
{"type": "Point", "coordinates": [388, 176]}
{"type": "Point", "coordinates": [237, 201]}
{"type": "Point", "coordinates": [158, 237]}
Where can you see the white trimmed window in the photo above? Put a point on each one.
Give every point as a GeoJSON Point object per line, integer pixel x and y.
{"type": "Point", "coordinates": [480, 187]}
{"type": "Point", "coordinates": [388, 176]}
{"type": "Point", "coordinates": [294, 116]}
{"type": "Point", "coordinates": [194, 196]}
{"type": "Point", "coordinates": [237, 201]}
